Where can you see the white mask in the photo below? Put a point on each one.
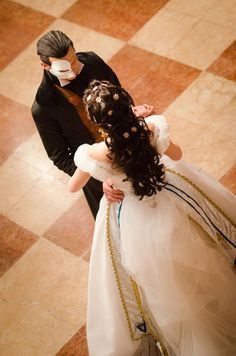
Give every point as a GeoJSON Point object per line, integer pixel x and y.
{"type": "Point", "coordinates": [62, 70]}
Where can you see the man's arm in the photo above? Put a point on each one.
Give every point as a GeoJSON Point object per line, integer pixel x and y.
{"type": "Point", "coordinates": [55, 143]}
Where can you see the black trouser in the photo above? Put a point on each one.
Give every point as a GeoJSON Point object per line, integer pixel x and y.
{"type": "Point", "coordinates": [93, 193]}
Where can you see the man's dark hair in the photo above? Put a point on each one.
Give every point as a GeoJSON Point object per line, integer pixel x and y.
{"type": "Point", "coordinates": [53, 44]}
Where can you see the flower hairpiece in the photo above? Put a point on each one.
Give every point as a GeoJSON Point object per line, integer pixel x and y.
{"type": "Point", "coordinates": [126, 135]}
{"type": "Point", "coordinates": [133, 129]}
{"type": "Point", "coordinates": [116, 96]}
{"type": "Point", "coordinates": [88, 97]}
{"type": "Point", "coordinates": [110, 112]}
{"type": "Point", "coordinates": [98, 99]}
{"type": "Point", "coordinates": [95, 88]}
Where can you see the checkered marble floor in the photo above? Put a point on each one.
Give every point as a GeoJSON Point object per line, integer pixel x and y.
{"type": "Point", "coordinates": [178, 55]}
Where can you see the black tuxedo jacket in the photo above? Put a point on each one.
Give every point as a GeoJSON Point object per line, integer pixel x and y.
{"type": "Point", "coordinates": [59, 124]}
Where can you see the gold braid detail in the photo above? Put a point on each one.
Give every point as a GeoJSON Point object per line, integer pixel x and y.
{"type": "Point", "coordinates": [144, 315]}
{"type": "Point", "coordinates": [202, 193]}
{"type": "Point", "coordinates": [115, 269]}
{"type": "Point", "coordinates": [147, 320]}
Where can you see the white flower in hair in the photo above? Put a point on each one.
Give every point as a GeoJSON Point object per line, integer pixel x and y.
{"type": "Point", "coordinates": [116, 96]}
{"type": "Point", "coordinates": [110, 112]}
{"type": "Point", "coordinates": [98, 99]}
{"type": "Point", "coordinates": [126, 135]}
{"type": "Point", "coordinates": [95, 88]}
{"type": "Point", "coordinates": [134, 129]}
{"type": "Point", "coordinates": [88, 97]}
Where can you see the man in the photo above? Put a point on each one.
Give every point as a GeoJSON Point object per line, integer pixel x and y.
{"type": "Point", "coordinates": [58, 110]}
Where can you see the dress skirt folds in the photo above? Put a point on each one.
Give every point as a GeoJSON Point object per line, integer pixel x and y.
{"type": "Point", "coordinates": [163, 267]}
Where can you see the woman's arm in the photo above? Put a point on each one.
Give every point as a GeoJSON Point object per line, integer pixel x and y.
{"type": "Point", "coordinates": [173, 151]}
{"type": "Point", "coordinates": [78, 180]}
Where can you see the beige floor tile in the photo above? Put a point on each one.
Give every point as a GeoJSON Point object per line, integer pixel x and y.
{"type": "Point", "coordinates": [192, 7]}
{"type": "Point", "coordinates": [215, 152]}
{"type": "Point", "coordinates": [76, 345]}
{"type": "Point", "coordinates": [43, 293]}
{"type": "Point", "coordinates": [216, 11]}
{"type": "Point", "coordinates": [44, 203]}
{"type": "Point", "coordinates": [38, 334]}
{"type": "Point", "coordinates": [204, 99]}
{"type": "Point", "coordinates": [42, 267]}
{"type": "Point", "coordinates": [163, 31]}
{"type": "Point", "coordinates": [33, 153]}
{"type": "Point", "coordinates": [21, 78]}
{"type": "Point", "coordinates": [105, 46]}
{"type": "Point", "coordinates": [12, 311]}
{"type": "Point", "coordinates": [205, 145]}
{"type": "Point", "coordinates": [16, 179]}
{"type": "Point", "coordinates": [85, 39]}
{"type": "Point", "coordinates": [223, 13]}
{"type": "Point", "coordinates": [185, 133]}
{"type": "Point", "coordinates": [51, 7]}
{"type": "Point", "coordinates": [225, 121]}
{"type": "Point", "coordinates": [58, 175]}
{"type": "Point", "coordinates": [67, 299]}
{"type": "Point", "coordinates": [202, 44]}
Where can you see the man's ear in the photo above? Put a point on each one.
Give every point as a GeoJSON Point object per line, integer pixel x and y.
{"type": "Point", "coordinates": [45, 65]}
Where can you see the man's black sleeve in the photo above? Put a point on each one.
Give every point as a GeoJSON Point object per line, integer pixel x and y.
{"type": "Point", "coordinates": [55, 143]}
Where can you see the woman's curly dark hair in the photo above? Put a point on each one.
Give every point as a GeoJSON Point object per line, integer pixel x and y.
{"type": "Point", "coordinates": [128, 137]}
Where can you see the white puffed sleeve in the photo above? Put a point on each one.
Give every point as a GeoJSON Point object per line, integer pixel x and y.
{"type": "Point", "coordinates": [82, 159]}
{"type": "Point", "coordinates": [161, 133]}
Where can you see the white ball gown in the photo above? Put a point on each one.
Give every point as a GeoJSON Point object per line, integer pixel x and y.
{"type": "Point", "coordinates": [163, 265]}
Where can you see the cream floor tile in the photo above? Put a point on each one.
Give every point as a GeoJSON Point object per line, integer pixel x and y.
{"type": "Point", "coordinates": [67, 299]}
{"type": "Point", "coordinates": [225, 121]}
{"type": "Point", "coordinates": [33, 153]}
{"type": "Point", "coordinates": [163, 31]}
{"type": "Point", "coordinates": [21, 78]}
{"type": "Point", "coordinates": [85, 39]}
{"type": "Point", "coordinates": [19, 286]}
{"type": "Point", "coordinates": [58, 175]}
{"type": "Point", "coordinates": [43, 204]}
{"type": "Point", "coordinates": [103, 45]}
{"type": "Point", "coordinates": [16, 179]}
{"type": "Point", "coordinates": [38, 334]}
{"type": "Point", "coordinates": [185, 133]}
{"type": "Point", "coordinates": [51, 7]}
{"type": "Point", "coordinates": [216, 11]}
{"type": "Point", "coordinates": [206, 145]}
{"type": "Point", "coordinates": [204, 99]}
{"type": "Point", "coordinates": [37, 318]}
{"type": "Point", "coordinates": [223, 13]}
{"type": "Point", "coordinates": [35, 274]}
{"type": "Point", "coordinates": [214, 151]}
{"type": "Point", "coordinates": [202, 44]}
{"type": "Point", "coordinates": [192, 7]}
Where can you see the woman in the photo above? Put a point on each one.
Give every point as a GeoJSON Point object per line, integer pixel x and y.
{"type": "Point", "coordinates": [162, 260]}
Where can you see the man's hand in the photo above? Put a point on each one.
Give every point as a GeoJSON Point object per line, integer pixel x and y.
{"type": "Point", "coordinates": [143, 110]}
{"type": "Point", "coordinates": [113, 195]}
